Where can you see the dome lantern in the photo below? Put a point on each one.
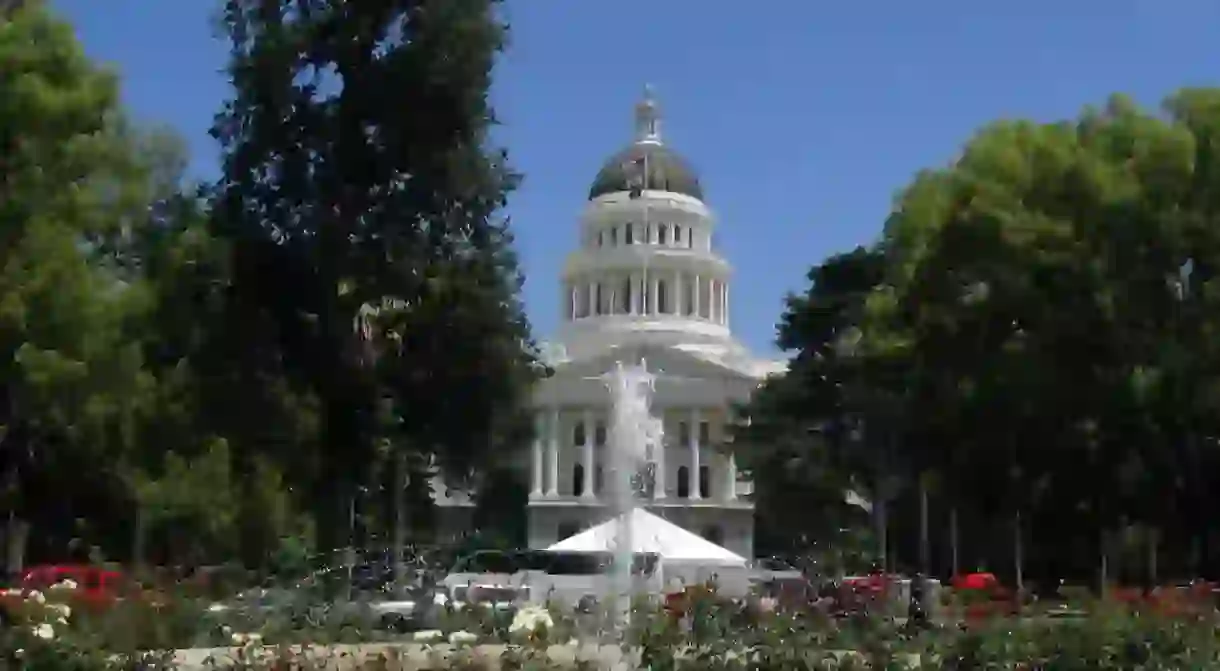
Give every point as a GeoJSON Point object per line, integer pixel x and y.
{"type": "Point", "coordinates": [647, 163]}
{"type": "Point", "coordinates": [647, 118]}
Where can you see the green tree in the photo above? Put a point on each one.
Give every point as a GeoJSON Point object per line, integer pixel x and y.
{"type": "Point", "coordinates": [798, 439]}
{"type": "Point", "coordinates": [357, 174]}
{"type": "Point", "coordinates": [72, 383]}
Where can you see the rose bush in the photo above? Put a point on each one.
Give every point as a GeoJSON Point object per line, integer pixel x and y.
{"type": "Point", "coordinates": [44, 632]}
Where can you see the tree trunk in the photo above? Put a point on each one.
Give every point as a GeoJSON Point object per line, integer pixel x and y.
{"type": "Point", "coordinates": [138, 538]}
{"type": "Point", "coordinates": [1154, 538]}
{"type": "Point", "coordinates": [1018, 552]}
{"type": "Point", "coordinates": [1103, 573]}
{"type": "Point", "coordinates": [16, 536]}
{"type": "Point", "coordinates": [400, 522]}
{"type": "Point", "coordinates": [953, 540]}
{"type": "Point", "coordinates": [882, 520]}
{"type": "Point", "coordinates": [349, 555]}
{"type": "Point", "coordinates": [925, 543]}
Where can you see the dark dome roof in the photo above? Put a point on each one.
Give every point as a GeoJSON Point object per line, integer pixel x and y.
{"type": "Point", "coordinates": [666, 172]}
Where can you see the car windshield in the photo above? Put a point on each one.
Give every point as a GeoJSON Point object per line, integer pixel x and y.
{"type": "Point", "coordinates": [487, 561]}
{"type": "Point", "coordinates": [588, 563]}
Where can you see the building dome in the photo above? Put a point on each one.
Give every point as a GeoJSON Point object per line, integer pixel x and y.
{"type": "Point", "coordinates": [667, 171]}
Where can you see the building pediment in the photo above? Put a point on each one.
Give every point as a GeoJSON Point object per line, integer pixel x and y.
{"type": "Point", "coordinates": [680, 374]}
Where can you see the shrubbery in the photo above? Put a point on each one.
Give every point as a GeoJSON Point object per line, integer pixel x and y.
{"type": "Point", "coordinates": [46, 632]}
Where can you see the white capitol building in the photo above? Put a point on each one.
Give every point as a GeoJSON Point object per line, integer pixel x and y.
{"type": "Point", "coordinates": [644, 283]}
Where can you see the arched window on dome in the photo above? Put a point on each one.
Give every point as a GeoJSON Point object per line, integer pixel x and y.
{"type": "Point", "coordinates": [677, 235]}
{"type": "Point", "coordinates": [662, 296]}
{"type": "Point", "coordinates": [629, 234]}
{"type": "Point", "coordinates": [624, 296]}
{"type": "Point", "coordinates": [578, 480]}
{"type": "Point", "coordinates": [662, 234]}
{"type": "Point", "coordinates": [597, 298]}
{"type": "Point", "coordinates": [614, 237]}
{"type": "Point", "coordinates": [690, 238]}
{"type": "Point", "coordinates": [601, 238]}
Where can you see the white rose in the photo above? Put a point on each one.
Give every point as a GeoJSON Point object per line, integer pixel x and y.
{"type": "Point", "coordinates": [462, 638]}
{"type": "Point", "coordinates": [44, 631]}
{"type": "Point", "coordinates": [36, 597]}
{"type": "Point", "coordinates": [62, 609]}
{"type": "Point", "coordinates": [65, 584]}
{"type": "Point", "coordinates": [530, 619]}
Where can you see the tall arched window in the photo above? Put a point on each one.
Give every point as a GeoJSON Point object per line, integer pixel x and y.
{"type": "Point", "coordinates": [677, 235]}
{"type": "Point", "coordinates": [624, 296]}
{"type": "Point", "coordinates": [629, 234]}
{"type": "Point", "coordinates": [704, 483]}
{"type": "Point", "coordinates": [662, 297]}
{"type": "Point", "coordinates": [662, 234]}
{"type": "Point", "coordinates": [597, 298]}
{"type": "Point", "coordinates": [690, 296]}
{"type": "Point", "coordinates": [578, 434]}
{"type": "Point", "coordinates": [614, 237]}
{"type": "Point", "coordinates": [683, 482]}
{"type": "Point", "coordinates": [578, 480]}
{"type": "Point", "coordinates": [597, 479]}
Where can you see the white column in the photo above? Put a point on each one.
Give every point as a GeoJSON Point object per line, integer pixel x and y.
{"type": "Point", "coordinates": [653, 291]}
{"type": "Point", "coordinates": [730, 477]}
{"type": "Point", "coordinates": [553, 456]}
{"type": "Point", "coordinates": [698, 298]}
{"type": "Point", "coordinates": [536, 456]}
{"type": "Point", "coordinates": [587, 486]}
{"type": "Point", "coordinates": [574, 300]}
{"type": "Point", "coordinates": [592, 299]}
{"type": "Point", "coordinates": [658, 474]}
{"type": "Point", "coordinates": [695, 416]}
{"type": "Point", "coordinates": [713, 305]}
{"type": "Point", "coordinates": [726, 304]}
{"type": "Point", "coordinates": [679, 308]}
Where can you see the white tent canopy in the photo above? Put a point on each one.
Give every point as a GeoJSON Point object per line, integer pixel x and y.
{"type": "Point", "coordinates": [650, 533]}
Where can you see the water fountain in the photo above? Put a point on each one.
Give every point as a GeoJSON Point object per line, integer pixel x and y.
{"type": "Point", "coordinates": [634, 436]}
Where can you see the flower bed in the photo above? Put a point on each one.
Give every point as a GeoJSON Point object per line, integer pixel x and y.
{"type": "Point", "coordinates": [45, 633]}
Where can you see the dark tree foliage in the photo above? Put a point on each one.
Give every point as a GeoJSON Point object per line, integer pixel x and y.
{"type": "Point", "coordinates": [361, 201]}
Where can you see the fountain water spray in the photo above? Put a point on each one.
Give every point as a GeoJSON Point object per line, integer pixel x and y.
{"type": "Point", "coordinates": [635, 438]}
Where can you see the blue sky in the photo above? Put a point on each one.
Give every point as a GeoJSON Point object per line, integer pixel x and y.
{"type": "Point", "coordinates": [803, 117]}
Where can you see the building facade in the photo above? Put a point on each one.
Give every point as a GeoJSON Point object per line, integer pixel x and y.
{"type": "Point", "coordinates": [645, 283]}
